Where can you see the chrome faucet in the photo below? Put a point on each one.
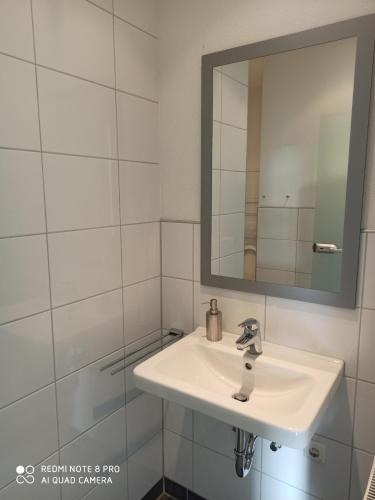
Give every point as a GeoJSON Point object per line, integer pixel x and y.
{"type": "Point", "coordinates": [250, 337]}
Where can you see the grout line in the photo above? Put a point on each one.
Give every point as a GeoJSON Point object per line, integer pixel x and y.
{"type": "Point", "coordinates": [231, 125]}
{"type": "Point", "coordinates": [79, 155]}
{"type": "Point", "coordinates": [115, 16]}
{"type": "Point", "coordinates": [46, 239]}
{"type": "Point", "coordinates": [25, 396]}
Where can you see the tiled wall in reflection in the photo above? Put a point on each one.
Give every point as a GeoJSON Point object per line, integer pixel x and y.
{"type": "Point", "coordinates": [79, 241]}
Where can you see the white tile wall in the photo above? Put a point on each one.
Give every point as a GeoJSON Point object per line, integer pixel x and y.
{"type": "Point", "coordinates": [141, 13]}
{"type": "Point", "coordinates": [16, 34]}
{"type": "Point", "coordinates": [140, 252]}
{"type": "Point", "coordinates": [24, 277]}
{"type": "Point", "coordinates": [21, 204]}
{"type": "Point", "coordinates": [178, 459]}
{"type": "Point", "coordinates": [76, 116]}
{"type": "Point", "coordinates": [277, 224]}
{"type": "Point", "coordinates": [142, 307]}
{"type": "Point", "coordinates": [87, 330]}
{"type": "Point", "coordinates": [22, 342]}
{"type": "Point", "coordinates": [214, 478]}
{"type": "Point", "coordinates": [80, 192]}
{"type": "Point", "coordinates": [89, 395]}
{"type": "Point", "coordinates": [177, 304]}
{"type": "Point", "coordinates": [364, 437]}
{"type": "Point", "coordinates": [29, 432]}
{"type": "Point", "coordinates": [137, 129]}
{"type": "Point", "coordinates": [19, 114]}
{"type": "Point", "coordinates": [84, 263]}
{"type": "Point", "coordinates": [233, 148]}
{"type": "Point", "coordinates": [136, 61]}
{"type": "Point", "coordinates": [69, 41]}
{"type": "Point", "coordinates": [69, 184]}
{"type": "Point", "coordinates": [177, 250]}
{"type": "Point", "coordinates": [140, 192]}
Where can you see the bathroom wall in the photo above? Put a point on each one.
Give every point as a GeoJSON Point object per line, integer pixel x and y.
{"type": "Point", "coordinates": [79, 242]}
{"type": "Point", "coordinates": [197, 449]}
{"type": "Point", "coordinates": [230, 90]}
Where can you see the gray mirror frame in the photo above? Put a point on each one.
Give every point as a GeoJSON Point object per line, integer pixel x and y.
{"type": "Point", "coordinates": [364, 29]}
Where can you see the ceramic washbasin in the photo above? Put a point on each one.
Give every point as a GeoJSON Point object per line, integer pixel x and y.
{"type": "Point", "coordinates": [287, 389]}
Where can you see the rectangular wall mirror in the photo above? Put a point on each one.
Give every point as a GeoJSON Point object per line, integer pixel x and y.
{"type": "Point", "coordinates": [284, 137]}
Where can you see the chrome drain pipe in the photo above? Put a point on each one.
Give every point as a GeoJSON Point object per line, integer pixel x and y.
{"type": "Point", "coordinates": [244, 452]}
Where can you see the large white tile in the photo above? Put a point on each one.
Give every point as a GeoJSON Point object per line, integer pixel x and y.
{"type": "Point", "coordinates": [177, 250]}
{"type": "Point", "coordinates": [84, 263]}
{"type": "Point", "coordinates": [24, 287]}
{"type": "Point", "coordinates": [277, 223]}
{"type": "Point", "coordinates": [141, 13]}
{"type": "Point", "coordinates": [136, 61]}
{"type": "Point", "coordinates": [178, 419]}
{"type": "Point", "coordinates": [141, 309]}
{"type": "Point", "coordinates": [214, 478]}
{"type": "Point", "coordinates": [26, 357]}
{"type": "Point", "coordinates": [238, 71]}
{"type": "Point", "coordinates": [178, 459]}
{"type": "Point", "coordinates": [272, 489]}
{"type": "Point", "coordinates": [364, 436]}
{"type": "Point", "coordinates": [144, 416]}
{"type": "Point", "coordinates": [21, 201]}
{"type": "Point", "coordinates": [232, 233]}
{"type": "Point", "coordinates": [16, 32]}
{"type": "Point", "coordinates": [234, 102]}
{"type": "Point", "coordinates": [276, 254]}
{"type": "Point", "coordinates": [366, 366]}
{"type": "Point", "coordinates": [216, 175]}
{"type": "Point", "coordinates": [37, 490]}
{"type": "Point", "coordinates": [104, 444]}
{"type": "Point", "coordinates": [177, 300]}
{"type": "Point", "coordinates": [216, 145]}
{"type": "Point", "coordinates": [326, 330]}
{"type": "Point", "coordinates": [216, 97]}
{"type": "Point", "coordinates": [306, 217]}
{"type": "Point", "coordinates": [232, 192]}
{"type": "Point", "coordinates": [235, 307]}
{"type": "Point", "coordinates": [140, 252]}
{"type": "Point", "coordinates": [28, 432]}
{"type": "Point", "coordinates": [80, 192]}
{"type": "Point", "coordinates": [145, 468]}
{"type": "Point", "coordinates": [233, 148]}
{"type": "Point", "coordinates": [329, 480]}
{"type": "Point", "coordinates": [369, 274]}
{"type": "Point", "coordinates": [218, 436]}
{"type": "Point", "coordinates": [139, 192]}
{"type": "Point", "coordinates": [66, 38]}
{"type": "Point", "coordinates": [76, 116]}
{"type": "Point", "coordinates": [215, 237]}
{"type": "Point", "coordinates": [337, 421]}
{"type": "Point", "coordinates": [197, 252]}
{"type": "Point", "coordinates": [19, 126]}
{"type": "Point", "coordinates": [361, 468]}
{"type": "Point", "coordinates": [89, 395]}
{"type": "Point", "coordinates": [87, 330]}
{"type": "Point", "coordinates": [137, 128]}
{"type": "Point", "coordinates": [232, 265]}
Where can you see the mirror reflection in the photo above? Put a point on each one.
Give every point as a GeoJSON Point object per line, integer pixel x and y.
{"type": "Point", "coordinates": [280, 145]}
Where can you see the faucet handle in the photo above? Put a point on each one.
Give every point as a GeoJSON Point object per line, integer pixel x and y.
{"type": "Point", "coordinates": [251, 325]}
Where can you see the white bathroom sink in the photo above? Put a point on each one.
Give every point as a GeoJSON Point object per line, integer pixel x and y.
{"type": "Point", "coordinates": [287, 389]}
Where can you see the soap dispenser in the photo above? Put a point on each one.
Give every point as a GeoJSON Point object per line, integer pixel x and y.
{"type": "Point", "coordinates": [213, 322]}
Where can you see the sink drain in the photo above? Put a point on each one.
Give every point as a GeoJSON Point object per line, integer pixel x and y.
{"type": "Point", "coordinates": [240, 396]}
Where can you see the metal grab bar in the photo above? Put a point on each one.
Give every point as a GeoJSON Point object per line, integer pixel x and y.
{"type": "Point", "coordinates": [173, 331]}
